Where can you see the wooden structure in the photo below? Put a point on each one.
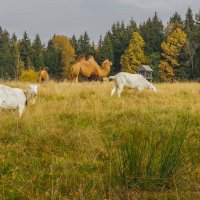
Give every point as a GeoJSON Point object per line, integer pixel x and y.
{"type": "Point", "coordinates": [146, 71]}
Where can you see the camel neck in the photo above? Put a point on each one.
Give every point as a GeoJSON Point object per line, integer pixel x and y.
{"type": "Point", "coordinates": [105, 70]}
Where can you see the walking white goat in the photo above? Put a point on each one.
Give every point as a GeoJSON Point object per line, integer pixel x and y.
{"type": "Point", "coordinates": [130, 80]}
{"type": "Point", "coordinates": [15, 98]}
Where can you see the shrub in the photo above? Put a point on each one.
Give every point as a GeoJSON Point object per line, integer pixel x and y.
{"type": "Point", "coordinates": [28, 75]}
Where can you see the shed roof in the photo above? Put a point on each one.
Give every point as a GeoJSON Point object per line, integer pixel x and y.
{"type": "Point", "coordinates": [145, 68]}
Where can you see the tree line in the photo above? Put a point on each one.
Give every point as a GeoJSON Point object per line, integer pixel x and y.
{"type": "Point", "coordinates": [172, 51]}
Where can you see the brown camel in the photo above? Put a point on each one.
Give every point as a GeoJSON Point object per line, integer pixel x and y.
{"type": "Point", "coordinates": [43, 75]}
{"type": "Point", "coordinates": [89, 68]}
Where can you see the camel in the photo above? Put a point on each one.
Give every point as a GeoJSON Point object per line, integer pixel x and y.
{"type": "Point", "coordinates": [89, 68]}
{"type": "Point", "coordinates": [43, 75]}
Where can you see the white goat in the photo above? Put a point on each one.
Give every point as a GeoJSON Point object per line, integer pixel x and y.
{"type": "Point", "coordinates": [15, 98]}
{"type": "Point", "coordinates": [130, 80]}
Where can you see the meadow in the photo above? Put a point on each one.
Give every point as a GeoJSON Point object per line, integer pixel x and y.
{"type": "Point", "coordinates": [77, 142]}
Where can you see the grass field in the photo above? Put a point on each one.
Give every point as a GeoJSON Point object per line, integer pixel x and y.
{"type": "Point", "coordinates": [77, 142]}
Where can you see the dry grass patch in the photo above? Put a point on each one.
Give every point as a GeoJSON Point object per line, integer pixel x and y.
{"type": "Point", "coordinates": [65, 145]}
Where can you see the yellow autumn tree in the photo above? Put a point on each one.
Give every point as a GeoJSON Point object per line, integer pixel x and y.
{"type": "Point", "coordinates": [62, 43]}
{"type": "Point", "coordinates": [171, 50]}
{"type": "Point", "coordinates": [133, 56]}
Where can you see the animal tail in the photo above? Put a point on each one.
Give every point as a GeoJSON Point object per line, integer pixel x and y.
{"type": "Point", "coordinates": [111, 78]}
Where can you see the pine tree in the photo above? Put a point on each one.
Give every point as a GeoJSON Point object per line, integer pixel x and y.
{"type": "Point", "coordinates": [53, 57]}
{"type": "Point", "coordinates": [134, 54]}
{"type": "Point", "coordinates": [93, 50]}
{"type": "Point", "coordinates": [105, 50]}
{"type": "Point", "coordinates": [131, 28]}
{"type": "Point", "coordinates": [120, 40]}
{"type": "Point", "coordinates": [6, 70]}
{"type": "Point", "coordinates": [197, 45]}
{"type": "Point", "coordinates": [17, 63]}
{"type": "Point", "coordinates": [84, 45]}
{"type": "Point", "coordinates": [25, 50]}
{"type": "Point", "coordinates": [189, 28]}
{"type": "Point", "coordinates": [152, 33]}
{"type": "Point", "coordinates": [171, 50]}
{"type": "Point", "coordinates": [176, 20]}
{"type": "Point", "coordinates": [189, 21]}
{"type": "Point", "coordinates": [37, 53]}
{"type": "Point", "coordinates": [100, 42]}
{"type": "Point", "coordinates": [74, 43]}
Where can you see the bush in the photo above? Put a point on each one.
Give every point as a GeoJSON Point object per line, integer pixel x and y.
{"type": "Point", "coordinates": [29, 75]}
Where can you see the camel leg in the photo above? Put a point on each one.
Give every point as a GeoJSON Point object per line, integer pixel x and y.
{"type": "Point", "coordinates": [113, 90]}
{"type": "Point", "coordinates": [76, 79]}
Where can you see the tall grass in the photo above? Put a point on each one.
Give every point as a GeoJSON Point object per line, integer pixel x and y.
{"type": "Point", "coordinates": [147, 161]}
{"type": "Point", "coordinates": [78, 143]}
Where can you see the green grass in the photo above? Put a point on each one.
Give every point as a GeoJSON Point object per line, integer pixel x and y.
{"type": "Point", "coordinates": [77, 142]}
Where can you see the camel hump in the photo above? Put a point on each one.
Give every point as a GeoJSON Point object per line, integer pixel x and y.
{"type": "Point", "coordinates": [90, 57]}
{"type": "Point", "coordinates": [80, 58]}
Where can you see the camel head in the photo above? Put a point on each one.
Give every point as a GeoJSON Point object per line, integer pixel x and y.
{"type": "Point", "coordinates": [105, 68]}
{"type": "Point", "coordinates": [106, 63]}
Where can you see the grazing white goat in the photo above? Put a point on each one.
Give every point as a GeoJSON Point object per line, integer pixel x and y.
{"type": "Point", "coordinates": [15, 98]}
{"type": "Point", "coordinates": [130, 80]}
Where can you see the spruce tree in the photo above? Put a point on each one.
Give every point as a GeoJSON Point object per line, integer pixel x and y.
{"type": "Point", "coordinates": [131, 28]}
{"type": "Point", "coordinates": [84, 45]}
{"type": "Point", "coordinates": [120, 40]}
{"type": "Point", "coordinates": [53, 57]}
{"type": "Point", "coordinates": [105, 50]}
{"type": "Point", "coordinates": [17, 63]}
{"type": "Point", "coordinates": [6, 70]}
{"type": "Point", "coordinates": [74, 43]}
{"type": "Point", "coordinates": [25, 50]}
{"type": "Point", "coordinates": [152, 33]}
{"type": "Point", "coordinates": [197, 45]}
{"type": "Point", "coordinates": [37, 53]}
{"type": "Point", "coordinates": [189, 28]}
{"type": "Point", "coordinates": [93, 50]}
{"type": "Point", "coordinates": [176, 20]}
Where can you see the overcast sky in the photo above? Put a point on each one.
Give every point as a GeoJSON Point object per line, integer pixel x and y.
{"type": "Point", "coordinates": [69, 17]}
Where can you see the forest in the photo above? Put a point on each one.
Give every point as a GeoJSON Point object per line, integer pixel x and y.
{"type": "Point", "coordinates": [171, 50]}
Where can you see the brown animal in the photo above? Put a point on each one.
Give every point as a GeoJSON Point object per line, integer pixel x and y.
{"type": "Point", "coordinates": [43, 75]}
{"type": "Point", "coordinates": [89, 68]}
